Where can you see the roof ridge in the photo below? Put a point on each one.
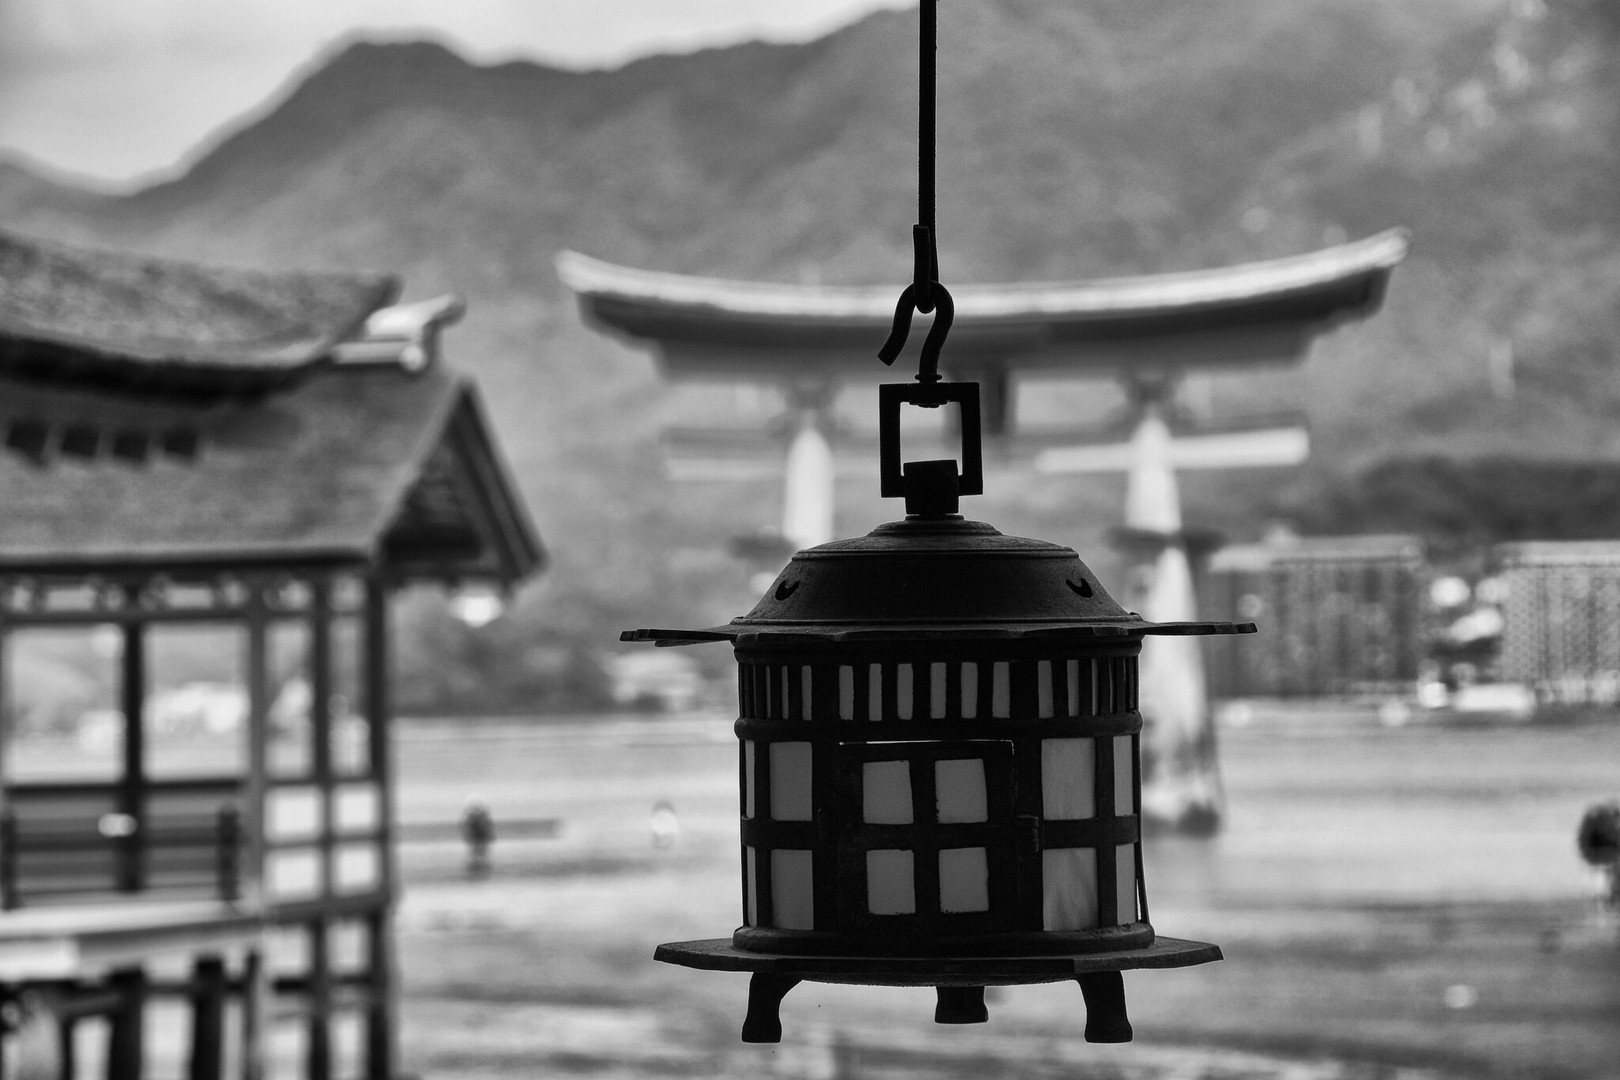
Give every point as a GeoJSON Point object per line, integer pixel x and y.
{"type": "Point", "coordinates": [153, 320]}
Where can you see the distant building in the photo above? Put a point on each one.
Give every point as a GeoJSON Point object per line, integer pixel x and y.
{"type": "Point", "coordinates": [261, 458]}
{"type": "Point", "coordinates": [1339, 615]}
{"type": "Point", "coordinates": [1561, 620]}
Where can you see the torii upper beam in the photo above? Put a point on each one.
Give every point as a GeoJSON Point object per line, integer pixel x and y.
{"type": "Point", "coordinates": [1260, 313]}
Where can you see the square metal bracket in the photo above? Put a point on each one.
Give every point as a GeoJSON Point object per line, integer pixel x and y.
{"type": "Point", "coordinates": [892, 480]}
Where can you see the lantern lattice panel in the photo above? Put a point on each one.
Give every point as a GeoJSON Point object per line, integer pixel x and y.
{"type": "Point", "coordinates": [990, 803]}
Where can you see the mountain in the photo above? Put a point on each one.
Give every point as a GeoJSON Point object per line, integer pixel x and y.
{"type": "Point", "coordinates": [1075, 139]}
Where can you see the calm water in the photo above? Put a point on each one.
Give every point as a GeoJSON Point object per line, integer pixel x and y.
{"type": "Point", "coordinates": [1393, 903]}
{"type": "Point", "coordinates": [1399, 903]}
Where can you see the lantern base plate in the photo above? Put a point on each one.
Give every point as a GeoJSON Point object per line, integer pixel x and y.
{"type": "Point", "coordinates": [959, 981]}
{"type": "Point", "coordinates": [719, 954]}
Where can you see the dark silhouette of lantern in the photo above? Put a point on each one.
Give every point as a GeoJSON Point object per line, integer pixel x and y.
{"type": "Point", "coordinates": [939, 761]}
{"type": "Point", "coordinates": [939, 739]}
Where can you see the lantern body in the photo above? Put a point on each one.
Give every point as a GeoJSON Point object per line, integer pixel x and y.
{"type": "Point", "coordinates": [947, 797]}
{"type": "Point", "coordinates": [939, 774]}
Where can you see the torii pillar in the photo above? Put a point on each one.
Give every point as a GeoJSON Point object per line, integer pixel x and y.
{"type": "Point", "coordinates": [809, 489]}
{"type": "Point", "coordinates": [1145, 331]}
{"type": "Point", "coordinates": [1181, 780]}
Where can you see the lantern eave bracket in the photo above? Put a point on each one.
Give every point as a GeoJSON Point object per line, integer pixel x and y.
{"type": "Point", "coordinates": [799, 634]}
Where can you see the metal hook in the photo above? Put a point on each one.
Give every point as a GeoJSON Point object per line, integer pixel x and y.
{"type": "Point", "coordinates": [945, 312]}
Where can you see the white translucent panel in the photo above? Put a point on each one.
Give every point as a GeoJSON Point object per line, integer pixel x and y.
{"type": "Point", "coordinates": [1043, 688]}
{"type": "Point", "coordinates": [970, 691]}
{"type": "Point", "coordinates": [936, 691]}
{"type": "Point", "coordinates": [807, 696]}
{"type": "Point", "coordinates": [348, 593]}
{"type": "Point", "coordinates": [1091, 706]}
{"type": "Point", "coordinates": [846, 693]}
{"type": "Point", "coordinates": [358, 807]}
{"type": "Point", "coordinates": [357, 868]}
{"type": "Point", "coordinates": [293, 874]}
{"type": "Point", "coordinates": [751, 889]}
{"type": "Point", "coordinates": [347, 945]}
{"type": "Point", "coordinates": [289, 945]}
{"type": "Point", "coordinates": [1125, 881]}
{"type": "Point", "coordinates": [1073, 667]}
{"type": "Point", "coordinates": [292, 813]}
{"type": "Point", "coordinates": [196, 693]}
{"type": "Point", "coordinates": [964, 880]}
{"type": "Point", "coordinates": [874, 692]}
{"type": "Point", "coordinates": [1001, 690]}
{"type": "Point", "coordinates": [886, 793]}
{"type": "Point", "coordinates": [62, 679]}
{"type": "Point", "coordinates": [748, 778]}
{"type": "Point", "coordinates": [1124, 777]}
{"type": "Point", "coordinates": [351, 741]}
{"type": "Point", "coordinates": [793, 895]}
{"type": "Point", "coordinates": [904, 691]}
{"type": "Point", "coordinates": [959, 790]}
{"type": "Point", "coordinates": [1068, 779]}
{"type": "Point", "coordinates": [891, 884]}
{"type": "Point", "coordinates": [790, 781]}
{"type": "Point", "coordinates": [1069, 888]}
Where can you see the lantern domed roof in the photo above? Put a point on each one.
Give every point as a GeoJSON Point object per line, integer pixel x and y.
{"type": "Point", "coordinates": [930, 577]}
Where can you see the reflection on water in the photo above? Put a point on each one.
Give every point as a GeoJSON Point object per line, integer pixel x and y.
{"type": "Point", "coordinates": [1400, 903]}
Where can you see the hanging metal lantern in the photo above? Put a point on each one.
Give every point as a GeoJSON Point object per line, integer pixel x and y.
{"type": "Point", "coordinates": [940, 742]}
{"type": "Point", "coordinates": [940, 761]}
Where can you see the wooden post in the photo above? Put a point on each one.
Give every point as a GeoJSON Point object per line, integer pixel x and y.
{"type": "Point", "coordinates": [320, 722]}
{"type": "Point", "coordinates": [382, 1015]}
{"type": "Point", "coordinates": [318, 931]}
{"type": "Point", "coordinates": [7, 895]}
{"type": "Point", "coordinates": [67, 1046]}
{"type": "Point", "coordinates": [132, 792]}
{"type": "Point", "coordinates": [251, 867]}
{"type": "Point", "coordinates": [254, 992]}
{"type": "Point", "coordinates": [8, 860]}
{"type": "Point", "coordinates": [318, 985]}
{"type": "Point", "coordinates": [228, 852]}
{"type": "Point", "coordinates": [255, 979]}
{"type": "Point", "coordinates": [126, 1044]}
{"type": "Point", "coordinates": [207, 1019]}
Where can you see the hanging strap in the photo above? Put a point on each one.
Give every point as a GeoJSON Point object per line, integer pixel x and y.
{"type": "Point", "coordinates": [925, 293]}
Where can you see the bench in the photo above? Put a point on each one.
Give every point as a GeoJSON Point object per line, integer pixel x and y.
{"type": "Point", "coordinates": [72, 842]}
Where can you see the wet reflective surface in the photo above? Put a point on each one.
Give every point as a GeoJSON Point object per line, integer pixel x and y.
{"type": "Point", "coordinates": [1392, 903]}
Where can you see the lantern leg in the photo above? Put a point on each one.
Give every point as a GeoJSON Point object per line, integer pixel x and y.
{"type": "Point", "coordinates": [1106, 1021]}
{"type": "Point", "coordinates": [960, 1005]}
{"type": "Point", "coordinates": [765, 994]}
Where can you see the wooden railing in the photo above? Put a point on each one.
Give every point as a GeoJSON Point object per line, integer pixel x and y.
{"type": "Point", "coordinates": [71, 841]}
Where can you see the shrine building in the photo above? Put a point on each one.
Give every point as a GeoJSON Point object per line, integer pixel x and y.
{"type": "Point", "coordinates": [240, 467]}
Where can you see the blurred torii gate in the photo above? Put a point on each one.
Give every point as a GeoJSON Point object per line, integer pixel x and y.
{"type": "Point", "coordinates": [1147, 332]}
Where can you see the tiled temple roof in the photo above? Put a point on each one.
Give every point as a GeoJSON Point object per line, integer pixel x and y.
{"type": "Point", "coordinates": [125, 445]}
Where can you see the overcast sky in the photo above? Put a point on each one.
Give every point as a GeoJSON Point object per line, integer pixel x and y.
{"type": "Point", "coordinates": [114, 89]}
